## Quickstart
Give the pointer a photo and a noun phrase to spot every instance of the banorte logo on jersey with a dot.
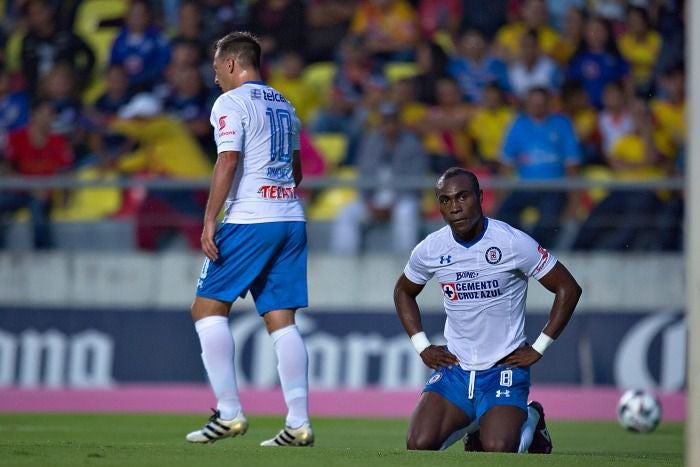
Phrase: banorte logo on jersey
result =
(222, 125)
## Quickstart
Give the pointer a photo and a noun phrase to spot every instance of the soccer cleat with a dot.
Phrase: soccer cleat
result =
(218, 428)
(541, 441)
(302, 436)
(472, 442)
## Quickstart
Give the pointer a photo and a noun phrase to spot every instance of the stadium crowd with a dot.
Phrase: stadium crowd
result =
(386, 89)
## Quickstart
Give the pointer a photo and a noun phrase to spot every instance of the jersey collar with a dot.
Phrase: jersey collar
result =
(476, 239)
(255, 82)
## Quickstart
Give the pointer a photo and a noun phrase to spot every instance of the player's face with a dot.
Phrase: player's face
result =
(222, 72)
(460, 206)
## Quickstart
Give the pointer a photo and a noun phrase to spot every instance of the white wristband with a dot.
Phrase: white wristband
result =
(420, 342)
(542, 342)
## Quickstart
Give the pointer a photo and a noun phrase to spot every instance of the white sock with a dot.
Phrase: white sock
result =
(528, 429)
(292, 366)
(217, 354)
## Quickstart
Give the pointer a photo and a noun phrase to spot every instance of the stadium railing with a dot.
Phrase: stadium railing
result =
(85, 234)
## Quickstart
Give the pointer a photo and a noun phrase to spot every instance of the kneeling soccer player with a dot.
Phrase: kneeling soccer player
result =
(481, 378)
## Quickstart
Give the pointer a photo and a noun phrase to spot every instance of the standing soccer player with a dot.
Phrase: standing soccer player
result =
(261, 245)
(482, 376)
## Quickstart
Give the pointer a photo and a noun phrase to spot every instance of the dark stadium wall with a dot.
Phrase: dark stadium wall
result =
(77, 348)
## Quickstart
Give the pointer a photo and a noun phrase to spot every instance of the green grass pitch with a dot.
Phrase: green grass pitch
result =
(72, 440)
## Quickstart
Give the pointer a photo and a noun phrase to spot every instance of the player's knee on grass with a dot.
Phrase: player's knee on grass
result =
(501, 437)
(500, 428)
(422, 440)
(500, 445)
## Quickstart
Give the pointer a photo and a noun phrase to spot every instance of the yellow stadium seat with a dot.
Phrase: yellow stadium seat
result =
(331, 200)
(90, 204)
(13, 50)
(99, 38)
(395, 71)
(332, 147)
(319, 76)
(429, 206)
(92, 12)
(598, 172)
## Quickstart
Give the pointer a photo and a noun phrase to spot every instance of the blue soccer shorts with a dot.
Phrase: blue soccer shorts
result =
(267, 259)
(476, 391)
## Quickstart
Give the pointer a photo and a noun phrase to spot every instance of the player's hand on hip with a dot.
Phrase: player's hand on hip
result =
(208, 246)
(522, 357)
(436, 357)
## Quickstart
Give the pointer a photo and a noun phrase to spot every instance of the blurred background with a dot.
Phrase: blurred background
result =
(571, 112)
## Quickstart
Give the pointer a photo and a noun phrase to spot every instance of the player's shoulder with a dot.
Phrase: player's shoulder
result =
(505, 233)
(496, 226)
(439, 235)
(228, 99)
(436, 240)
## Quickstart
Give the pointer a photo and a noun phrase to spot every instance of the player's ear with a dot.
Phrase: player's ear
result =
(481, 196)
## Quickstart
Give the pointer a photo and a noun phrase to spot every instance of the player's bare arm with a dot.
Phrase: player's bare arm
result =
(405, 293)
(566, 292)
(296, 167)
(221, 180)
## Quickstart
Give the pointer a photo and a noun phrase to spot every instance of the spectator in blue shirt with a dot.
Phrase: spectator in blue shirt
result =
(141, 48)
(107, 106)
(188, 102)
(540, 145)
(473, 68)
(14, 108)
(597, 62)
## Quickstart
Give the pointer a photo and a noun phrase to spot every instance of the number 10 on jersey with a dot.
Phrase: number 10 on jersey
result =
(281, 134)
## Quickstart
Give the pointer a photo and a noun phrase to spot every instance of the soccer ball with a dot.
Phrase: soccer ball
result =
(638, 411)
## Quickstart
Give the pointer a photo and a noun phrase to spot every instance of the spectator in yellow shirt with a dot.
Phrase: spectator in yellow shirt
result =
(571, 35)
(165, 149)
(390, 28)
(412, 112)
(445, 135)
(534, 17)
(640, 46)
(583, 115)
(668, 111)
(488, 126)
(625, 219)
(287, 78)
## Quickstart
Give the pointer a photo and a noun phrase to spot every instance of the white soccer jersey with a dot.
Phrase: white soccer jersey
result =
(484, 286)
(258, 121)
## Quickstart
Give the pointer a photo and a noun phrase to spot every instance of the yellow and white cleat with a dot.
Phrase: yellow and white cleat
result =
(218, 428)
(302, 436)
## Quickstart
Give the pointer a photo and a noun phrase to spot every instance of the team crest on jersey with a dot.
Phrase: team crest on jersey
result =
(435, 378)
(449, 291)
(222, 122)
(493, 255)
